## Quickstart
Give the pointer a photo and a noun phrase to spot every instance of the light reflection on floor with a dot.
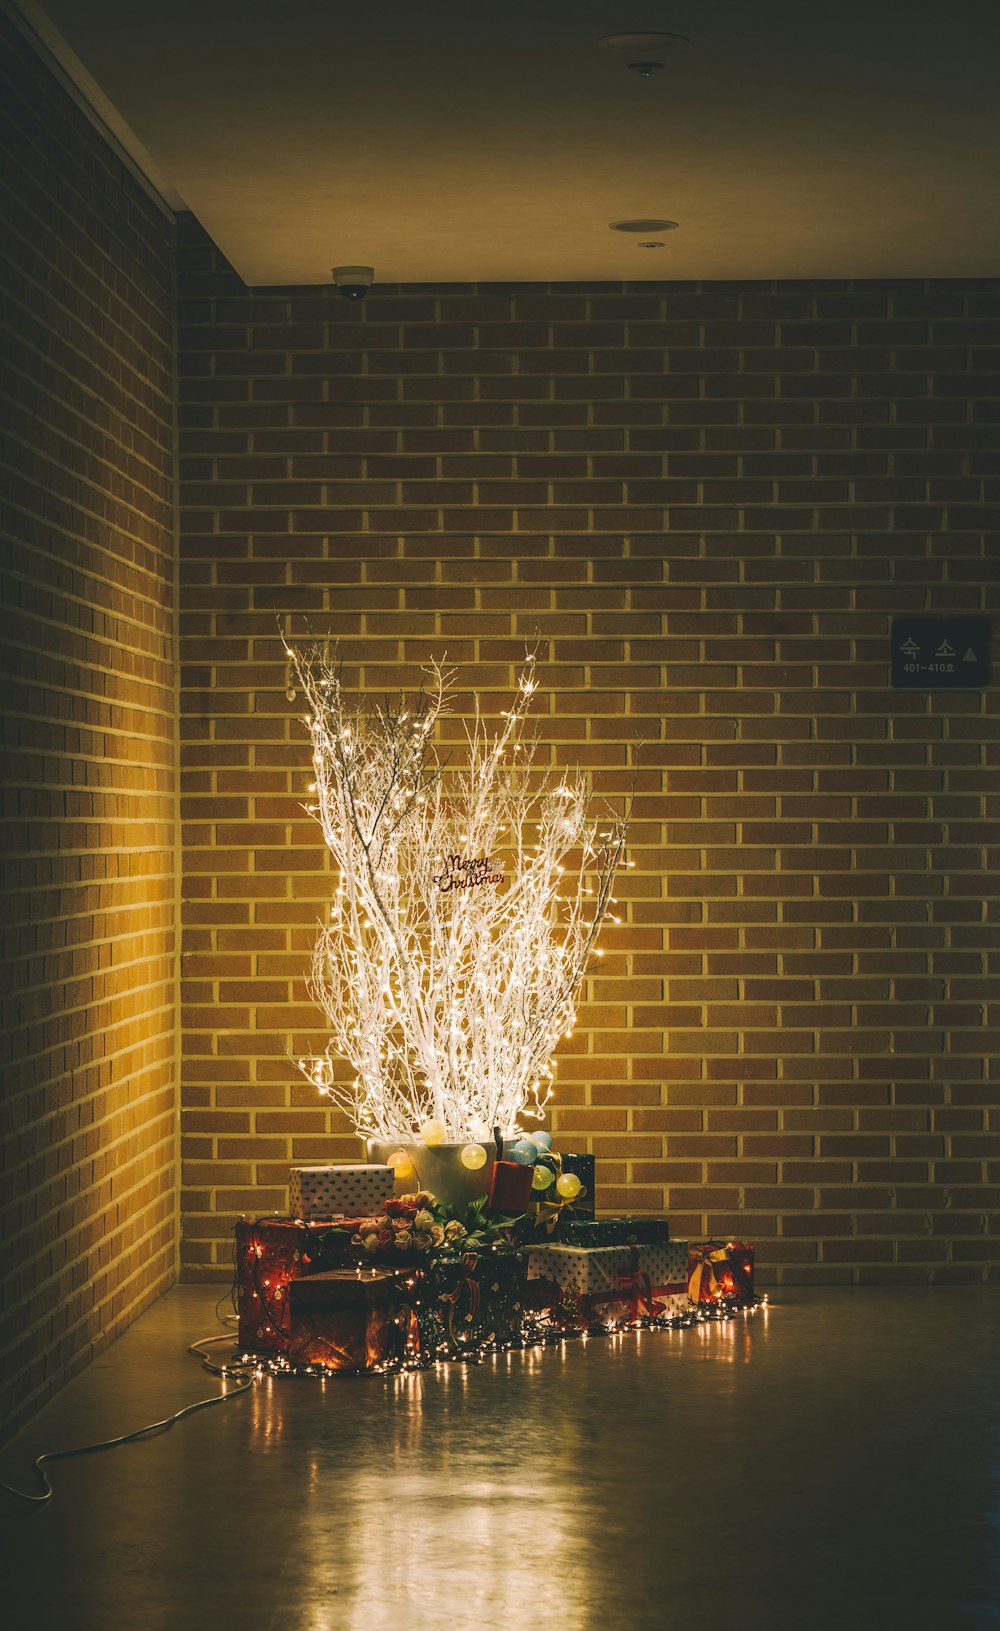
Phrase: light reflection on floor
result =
(797, 1471)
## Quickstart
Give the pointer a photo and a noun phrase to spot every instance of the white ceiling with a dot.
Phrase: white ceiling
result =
(471, 140)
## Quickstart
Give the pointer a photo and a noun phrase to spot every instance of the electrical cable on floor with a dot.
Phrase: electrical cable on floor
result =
(243, 1378)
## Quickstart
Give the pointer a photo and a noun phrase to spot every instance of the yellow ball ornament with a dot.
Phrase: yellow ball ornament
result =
(473, 1157)
(433, 1132)
(541, 1177)
(568, 1186)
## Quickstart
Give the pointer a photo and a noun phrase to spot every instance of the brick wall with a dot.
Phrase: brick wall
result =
(708, 502)
(87, 1135)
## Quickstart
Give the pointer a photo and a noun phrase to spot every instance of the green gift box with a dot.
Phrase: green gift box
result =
(471, 1299)
(583, 1167)
(646, 1231)
(594, 1232)
(614, 1231)
(549, 1211)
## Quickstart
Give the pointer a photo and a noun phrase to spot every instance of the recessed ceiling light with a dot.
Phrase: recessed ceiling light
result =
(655, 243)
(643, 42)
(647, 224)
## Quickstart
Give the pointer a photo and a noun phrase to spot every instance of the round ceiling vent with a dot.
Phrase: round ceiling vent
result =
(647, 224)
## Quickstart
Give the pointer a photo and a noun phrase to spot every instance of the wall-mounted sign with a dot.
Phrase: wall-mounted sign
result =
(940, 653)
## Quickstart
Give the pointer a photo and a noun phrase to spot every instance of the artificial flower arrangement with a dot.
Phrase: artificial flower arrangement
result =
(419, 1227)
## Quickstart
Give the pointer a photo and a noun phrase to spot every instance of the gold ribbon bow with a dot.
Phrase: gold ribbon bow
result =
(548, 1213)
(706, 1257)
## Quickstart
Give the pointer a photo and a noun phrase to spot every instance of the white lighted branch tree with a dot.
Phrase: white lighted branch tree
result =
(468, 902)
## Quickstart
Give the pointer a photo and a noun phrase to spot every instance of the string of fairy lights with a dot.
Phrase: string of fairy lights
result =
(536, 1333)
(241, 1370)
(420, 1342)
(469, 898)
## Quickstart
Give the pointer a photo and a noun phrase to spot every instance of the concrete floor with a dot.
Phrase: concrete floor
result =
(831, 1463)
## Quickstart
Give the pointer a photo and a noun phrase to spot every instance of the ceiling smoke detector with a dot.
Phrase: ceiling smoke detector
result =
(645, 225)
(644, 45)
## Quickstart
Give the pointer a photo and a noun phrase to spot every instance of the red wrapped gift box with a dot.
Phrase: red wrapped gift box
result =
(350, 1319)
(270, 1255)
(510, 1186)
(721, 1272)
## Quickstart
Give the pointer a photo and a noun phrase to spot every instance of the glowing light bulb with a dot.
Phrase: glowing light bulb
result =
(401, 1163)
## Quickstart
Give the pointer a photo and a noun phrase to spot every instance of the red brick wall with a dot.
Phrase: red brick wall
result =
(708, 501)
(87, 1135)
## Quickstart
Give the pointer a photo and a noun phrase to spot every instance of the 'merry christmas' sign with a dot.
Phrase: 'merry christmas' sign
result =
(467, 872)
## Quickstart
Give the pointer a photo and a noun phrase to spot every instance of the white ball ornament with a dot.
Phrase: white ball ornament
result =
(568, 1186)
(433, 1132)
(473, 1157)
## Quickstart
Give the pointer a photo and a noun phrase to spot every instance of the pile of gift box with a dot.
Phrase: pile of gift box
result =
(360, 1279)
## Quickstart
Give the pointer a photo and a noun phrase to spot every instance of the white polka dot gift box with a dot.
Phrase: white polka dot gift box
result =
(318, 1193)
(613, 1284)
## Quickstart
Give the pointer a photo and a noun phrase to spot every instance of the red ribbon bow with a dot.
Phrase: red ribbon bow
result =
(467, 1282)
(634, 1286)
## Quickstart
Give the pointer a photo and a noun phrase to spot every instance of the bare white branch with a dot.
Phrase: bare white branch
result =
(468, 901)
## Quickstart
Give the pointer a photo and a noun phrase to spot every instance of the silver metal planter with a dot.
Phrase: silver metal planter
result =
(439, 1169)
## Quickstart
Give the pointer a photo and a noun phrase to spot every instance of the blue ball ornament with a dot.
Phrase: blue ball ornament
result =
(542, 1141)
(525, 1152)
